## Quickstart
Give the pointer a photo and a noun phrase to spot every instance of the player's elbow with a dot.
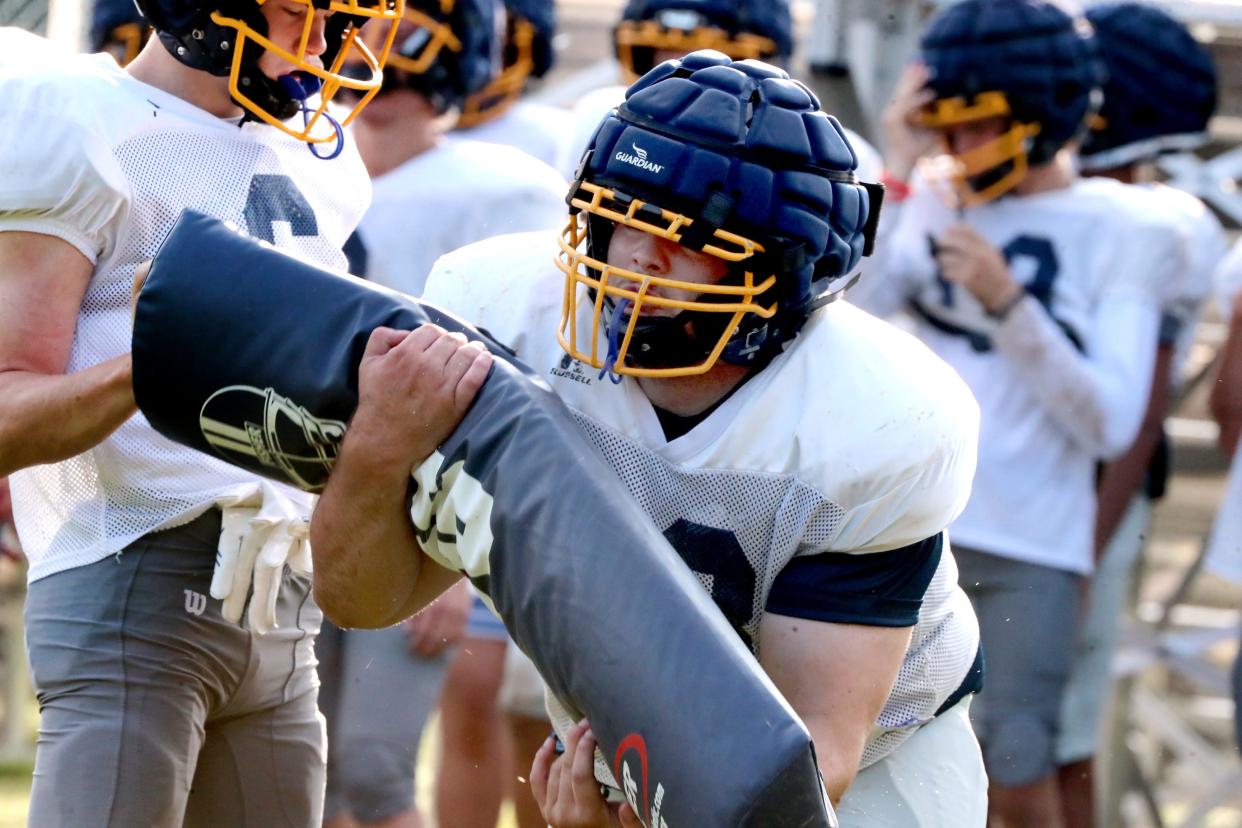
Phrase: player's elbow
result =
(344, 609)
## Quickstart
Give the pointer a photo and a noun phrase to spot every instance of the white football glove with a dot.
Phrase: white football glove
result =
(261, 530)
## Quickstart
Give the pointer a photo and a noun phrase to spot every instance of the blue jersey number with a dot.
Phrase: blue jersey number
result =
(716, 553)
(274, 198)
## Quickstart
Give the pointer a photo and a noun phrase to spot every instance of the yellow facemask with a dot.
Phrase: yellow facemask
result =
(651, 34)
(983, 163)
(617, 297)
(503, 90)
(317, 128)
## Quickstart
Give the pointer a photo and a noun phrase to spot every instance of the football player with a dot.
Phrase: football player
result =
(802, 457)
(1159, 95)
(497, 114)
(158, 708)
(1043, 291)
(651, 31)
(455, 191)
(381, 686)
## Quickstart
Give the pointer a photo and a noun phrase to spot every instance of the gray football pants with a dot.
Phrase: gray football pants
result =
(156, 712)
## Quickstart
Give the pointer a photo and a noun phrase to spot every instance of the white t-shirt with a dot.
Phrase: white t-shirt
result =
(1063, 382)
(856, 440)
(92, 156)
(454, 194)
(593, 106)
(534, 128)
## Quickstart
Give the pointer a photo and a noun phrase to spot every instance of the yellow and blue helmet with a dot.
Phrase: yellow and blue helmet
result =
(445, 50)
(741, 29)
(227, 37)
(118, 28)
(732, 159)
(529, 27)
(1161, 87)
(1026, 61)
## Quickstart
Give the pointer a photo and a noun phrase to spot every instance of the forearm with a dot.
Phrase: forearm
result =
(366, 555)
(1125, 475)
(45, 418)
(1225, 398)
(1098, 400)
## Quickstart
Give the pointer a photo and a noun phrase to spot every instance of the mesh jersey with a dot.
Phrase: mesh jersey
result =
(458, 192)
(536, 129)
(92, 156)
(1074, 249)
(857, 439)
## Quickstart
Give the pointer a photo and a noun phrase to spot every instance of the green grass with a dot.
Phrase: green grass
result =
(14, 795)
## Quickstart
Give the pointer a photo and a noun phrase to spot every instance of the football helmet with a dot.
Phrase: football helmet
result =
(1161, 87)
(263, 431)
(732, 159)
(118, 28)
(739, 28)
(529, 28)
(445, 50)
(1026, 61)
(227, 38)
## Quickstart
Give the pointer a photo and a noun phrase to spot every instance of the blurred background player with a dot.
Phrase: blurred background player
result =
(852, 607)
(1044, 292)
(431, 195)
(454, 191)
(1159, 95)
(497, 113)
(159, 705)
(652, 31)
(118, 28)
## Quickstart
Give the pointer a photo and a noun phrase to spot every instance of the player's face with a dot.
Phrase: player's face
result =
(964, 137)
(632, 249)
(287, 24)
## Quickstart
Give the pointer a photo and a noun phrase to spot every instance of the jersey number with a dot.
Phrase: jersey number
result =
(274, 198)
(716, 553)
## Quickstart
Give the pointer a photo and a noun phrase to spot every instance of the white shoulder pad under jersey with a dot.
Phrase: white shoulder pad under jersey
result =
(864, 415)
(534, 128)
(457, 193)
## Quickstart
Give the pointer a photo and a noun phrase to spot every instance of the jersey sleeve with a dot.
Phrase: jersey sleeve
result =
(58, 176)
(884, 589)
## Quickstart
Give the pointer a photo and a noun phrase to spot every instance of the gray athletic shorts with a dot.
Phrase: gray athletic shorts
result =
(1028, 621)
(376, 697)
(156, 712)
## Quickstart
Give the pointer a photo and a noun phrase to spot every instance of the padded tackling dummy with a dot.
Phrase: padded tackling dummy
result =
(251, 356)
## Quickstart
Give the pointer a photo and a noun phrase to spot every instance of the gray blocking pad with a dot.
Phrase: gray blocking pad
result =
(251, 356)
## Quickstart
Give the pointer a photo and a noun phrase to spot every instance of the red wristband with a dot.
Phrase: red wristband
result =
(895, 189)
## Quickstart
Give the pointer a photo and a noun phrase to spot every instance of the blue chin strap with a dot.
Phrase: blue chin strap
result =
(300, 86)
(615, 325)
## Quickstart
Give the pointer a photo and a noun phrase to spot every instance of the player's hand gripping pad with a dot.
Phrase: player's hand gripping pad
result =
(249, 355)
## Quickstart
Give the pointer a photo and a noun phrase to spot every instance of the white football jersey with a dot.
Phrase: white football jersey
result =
(1076, 250)
(857, 439)
(1192, 285)
(458, 192)
(593, 106)
(536, 129)
(94, 157)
